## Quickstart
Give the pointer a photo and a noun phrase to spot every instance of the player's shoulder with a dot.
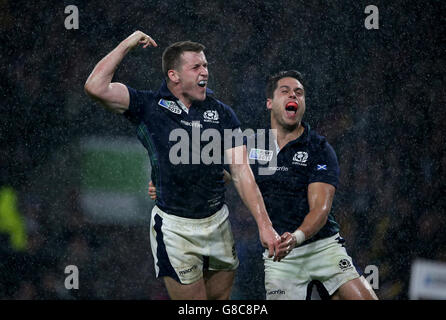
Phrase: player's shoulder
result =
(220, 110)
(211, 100)
(317, 140)
(143, 93)
(320, 148)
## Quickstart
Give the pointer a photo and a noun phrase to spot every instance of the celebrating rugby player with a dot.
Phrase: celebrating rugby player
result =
(191, 238)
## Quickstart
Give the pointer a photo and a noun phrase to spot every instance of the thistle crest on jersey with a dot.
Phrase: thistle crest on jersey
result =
(300, 158)
(211, 116)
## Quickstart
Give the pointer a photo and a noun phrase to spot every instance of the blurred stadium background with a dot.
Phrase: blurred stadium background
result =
(73, 178)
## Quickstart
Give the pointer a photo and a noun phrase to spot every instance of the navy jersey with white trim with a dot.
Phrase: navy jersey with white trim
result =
(190, 188)
(308, 159)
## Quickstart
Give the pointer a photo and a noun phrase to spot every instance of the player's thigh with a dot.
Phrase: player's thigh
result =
(329, 263)
(178, 291)
(222, 255)
(287, 279)
(176, 249)
(356, 289)
(219, 284)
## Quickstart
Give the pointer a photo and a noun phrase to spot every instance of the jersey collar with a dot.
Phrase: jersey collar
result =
(303, 139)
(165, 93)
(305, 136)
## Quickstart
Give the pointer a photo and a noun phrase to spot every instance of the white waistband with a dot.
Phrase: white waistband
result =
(220, 215)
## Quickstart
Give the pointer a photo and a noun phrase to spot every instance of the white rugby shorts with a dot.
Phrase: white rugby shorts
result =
(183, 248)
(323, 263)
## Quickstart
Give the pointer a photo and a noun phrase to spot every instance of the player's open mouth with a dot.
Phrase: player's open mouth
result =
(291, 108)
(202, 83)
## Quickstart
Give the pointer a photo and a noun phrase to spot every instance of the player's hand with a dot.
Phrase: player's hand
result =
(139, 37)
(287, 243)
(152, 191)
(271, 240)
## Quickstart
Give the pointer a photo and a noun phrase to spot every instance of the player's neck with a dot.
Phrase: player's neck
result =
(284, 135)
(178, 93)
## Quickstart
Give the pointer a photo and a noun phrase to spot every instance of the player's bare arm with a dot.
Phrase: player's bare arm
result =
(114, 96)
(152, 191)
(249, 192)
(320, 200)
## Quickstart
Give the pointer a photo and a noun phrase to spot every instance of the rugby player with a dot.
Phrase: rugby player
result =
(298, 194)
(298, 197)
(191, 238)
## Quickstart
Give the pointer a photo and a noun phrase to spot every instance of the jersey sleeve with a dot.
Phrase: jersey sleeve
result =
(233, 122)
(230, 121)
(325, 167)
(138, 100)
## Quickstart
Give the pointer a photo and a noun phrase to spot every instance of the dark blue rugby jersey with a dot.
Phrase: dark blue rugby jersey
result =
(183, 189)
(308, 159)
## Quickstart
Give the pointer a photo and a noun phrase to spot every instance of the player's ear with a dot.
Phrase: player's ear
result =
(269, 103)
(173, 76)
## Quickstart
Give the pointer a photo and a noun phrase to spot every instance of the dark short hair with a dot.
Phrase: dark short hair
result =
(172, 54)
(271, 84)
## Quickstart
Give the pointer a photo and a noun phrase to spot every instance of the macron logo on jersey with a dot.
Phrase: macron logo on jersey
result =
(169, 105)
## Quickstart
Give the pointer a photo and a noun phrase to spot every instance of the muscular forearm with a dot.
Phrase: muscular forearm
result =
(320, 198)
(313, 222)
(311, 225)
(249, 192)
(246, 186)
